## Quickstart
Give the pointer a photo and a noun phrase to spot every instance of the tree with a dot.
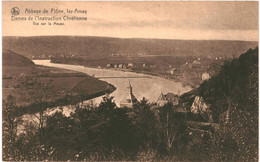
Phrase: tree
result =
(235, 89)
(146, 124)
(10, 127)
(237, 140)
(38, 93)
(171, 124)
(61, 142)
(106, 106)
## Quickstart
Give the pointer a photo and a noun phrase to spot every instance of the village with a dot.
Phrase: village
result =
(198, 106)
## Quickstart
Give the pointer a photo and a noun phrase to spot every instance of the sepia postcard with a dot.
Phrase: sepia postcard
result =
(130, 80)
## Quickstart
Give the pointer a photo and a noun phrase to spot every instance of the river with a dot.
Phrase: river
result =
(149, 87)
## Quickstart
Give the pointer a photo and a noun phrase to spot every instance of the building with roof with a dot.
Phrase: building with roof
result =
(172, 71)
(109, 65)
(205, 76)
(129, 100)
(169, 97)
(130, 65)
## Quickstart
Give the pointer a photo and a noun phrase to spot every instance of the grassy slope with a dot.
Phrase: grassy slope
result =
(64, 82)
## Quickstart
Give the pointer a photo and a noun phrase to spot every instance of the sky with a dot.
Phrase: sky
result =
(232, 20)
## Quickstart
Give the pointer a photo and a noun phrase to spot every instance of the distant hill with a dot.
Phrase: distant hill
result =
(104, 46)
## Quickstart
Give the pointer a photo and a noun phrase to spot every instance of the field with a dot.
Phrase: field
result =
(23, 80)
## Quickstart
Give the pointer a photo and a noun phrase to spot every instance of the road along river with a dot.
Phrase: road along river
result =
(143, 85)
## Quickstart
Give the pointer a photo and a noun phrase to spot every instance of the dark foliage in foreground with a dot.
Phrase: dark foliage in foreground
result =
(236, 85)
(102, 133)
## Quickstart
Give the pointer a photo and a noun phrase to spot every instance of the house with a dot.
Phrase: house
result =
(120, 66)
(169, 97)
(108, 65)
(129, 100)
(130, 65)
(115, 66)
(205, 76)
(196, 62)
(172, 71)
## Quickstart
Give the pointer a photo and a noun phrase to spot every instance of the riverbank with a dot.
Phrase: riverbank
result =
(168, 77)
(148, 86)
(172, 78)
(67, 99)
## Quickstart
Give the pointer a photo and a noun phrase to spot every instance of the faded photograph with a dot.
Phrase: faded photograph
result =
(130, 81)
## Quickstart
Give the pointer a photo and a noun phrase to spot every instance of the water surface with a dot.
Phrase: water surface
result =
(150, 88)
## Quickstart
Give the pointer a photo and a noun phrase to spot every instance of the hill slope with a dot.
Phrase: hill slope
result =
(12, 59)
(28, 83)
(105, 46)
(234, 87)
